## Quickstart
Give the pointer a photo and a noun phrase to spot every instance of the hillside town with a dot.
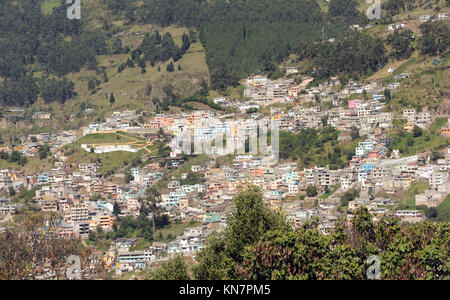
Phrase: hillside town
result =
(201, 194)
(201, 141)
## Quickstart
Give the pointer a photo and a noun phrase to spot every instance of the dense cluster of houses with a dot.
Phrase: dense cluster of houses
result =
(437, 17)
(117, 121)
(86, 199)
(282, 182)
(29, 145)
(122, 258)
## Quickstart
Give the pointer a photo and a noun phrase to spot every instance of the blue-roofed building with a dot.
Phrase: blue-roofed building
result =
(43, 178)
(368, 167)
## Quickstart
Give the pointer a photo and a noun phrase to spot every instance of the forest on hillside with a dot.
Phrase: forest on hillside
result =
(240, 37)
(51, 45)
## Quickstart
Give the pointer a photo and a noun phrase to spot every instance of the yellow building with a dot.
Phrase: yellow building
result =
(408, 127)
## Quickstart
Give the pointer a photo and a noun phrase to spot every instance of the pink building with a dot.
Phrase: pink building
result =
(352, 104)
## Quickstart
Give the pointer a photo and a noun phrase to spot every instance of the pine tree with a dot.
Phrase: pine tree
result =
(112, 99)
(170, 67)
(204, 91)
(148, 89)
(116, 209)
(186, 43)
(116, 47)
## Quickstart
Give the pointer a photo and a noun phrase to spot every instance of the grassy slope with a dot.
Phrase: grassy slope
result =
(128, 86)
(410, 195)
(429, 85)
(407, 198)
(112, 161)
(444, 209)
(174, 230)
(34, 165)
(48, 5)
(430, 139)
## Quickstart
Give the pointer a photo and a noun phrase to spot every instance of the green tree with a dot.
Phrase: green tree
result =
(116, 209)
(346, 9)
(16, 157)
(365, 96)
(148, 89)
(354, 133)
(112, 99)
(204, 90)
(213, 262)
(435, 155)
(249, 220)
(400, 42)
(417, 131)
(174, 269)
(311, 190)
(431, 213)
(170, 67)
(186, 43)
(128, 177)
(435, 38)
(387, 95)
(44, 151)
(11, 191)
(92, 236)
(99, 231)
(93, 83)
(349, 196)
(116, 47)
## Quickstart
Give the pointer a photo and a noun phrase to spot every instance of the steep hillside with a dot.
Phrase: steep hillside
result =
(65, 67)
(412, 49)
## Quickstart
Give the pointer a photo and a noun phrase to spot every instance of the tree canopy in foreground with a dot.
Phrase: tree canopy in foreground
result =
(258, 244)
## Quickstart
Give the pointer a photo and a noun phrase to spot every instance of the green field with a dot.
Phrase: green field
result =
(105, 138)
(417, 188)
(113, 161)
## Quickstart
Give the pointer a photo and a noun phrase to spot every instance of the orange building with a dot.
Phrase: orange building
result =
(445, 131)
